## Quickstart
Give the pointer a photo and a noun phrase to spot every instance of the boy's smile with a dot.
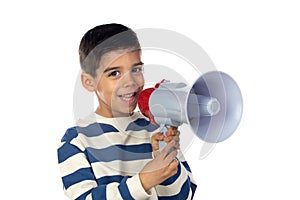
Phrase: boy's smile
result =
(129, 98)
(120, 81)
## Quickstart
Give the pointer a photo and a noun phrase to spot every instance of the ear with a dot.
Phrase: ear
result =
(88, 82)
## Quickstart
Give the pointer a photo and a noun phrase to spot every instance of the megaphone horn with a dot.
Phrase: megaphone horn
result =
(213, 106)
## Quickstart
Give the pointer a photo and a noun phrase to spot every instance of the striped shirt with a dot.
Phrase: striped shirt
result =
(100, 158)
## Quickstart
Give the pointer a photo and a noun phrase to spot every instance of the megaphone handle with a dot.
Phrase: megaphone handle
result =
(162, 144)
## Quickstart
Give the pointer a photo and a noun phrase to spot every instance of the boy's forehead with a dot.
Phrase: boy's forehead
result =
(110, 57)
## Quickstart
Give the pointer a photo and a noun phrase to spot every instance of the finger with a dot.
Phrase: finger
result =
(170, 134)
(173, 165)
(177, 142)
(158, 136)
(171, 156)
(168, 148)
(168, 139)
(177, 145)
(171, 131)
(176, 133)
(155, 141)
(176, 138)
(173, 128)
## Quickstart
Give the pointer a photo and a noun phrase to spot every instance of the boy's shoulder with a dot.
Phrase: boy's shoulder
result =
(89, 127)
(91, 130)
(92, 126)
(141, 124)
(69, 134)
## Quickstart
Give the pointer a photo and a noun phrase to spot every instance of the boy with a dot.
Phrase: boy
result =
(113, 153)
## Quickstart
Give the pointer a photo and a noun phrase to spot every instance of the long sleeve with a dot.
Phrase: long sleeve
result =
(99, 161)
(80, 183)
(180, 186)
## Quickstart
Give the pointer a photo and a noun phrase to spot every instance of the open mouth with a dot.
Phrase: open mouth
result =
(129, 98)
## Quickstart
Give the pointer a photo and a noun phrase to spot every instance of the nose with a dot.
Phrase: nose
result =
(128, 80)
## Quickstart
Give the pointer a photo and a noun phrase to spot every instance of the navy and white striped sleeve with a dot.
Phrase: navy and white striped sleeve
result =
(179, 186)
(80, 182)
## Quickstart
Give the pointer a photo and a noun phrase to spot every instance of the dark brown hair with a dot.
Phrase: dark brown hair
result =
(103, 39)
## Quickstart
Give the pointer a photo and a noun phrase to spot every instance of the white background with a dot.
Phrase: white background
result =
(257, 42)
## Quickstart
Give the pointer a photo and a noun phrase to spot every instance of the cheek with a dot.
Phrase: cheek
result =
(140, 81)
(106, 89)
(109, 92)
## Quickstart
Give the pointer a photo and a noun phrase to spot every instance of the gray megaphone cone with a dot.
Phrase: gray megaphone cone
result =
(213, 106)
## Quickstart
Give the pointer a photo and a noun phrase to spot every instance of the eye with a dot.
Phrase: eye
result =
(137, 69)
(114, 74)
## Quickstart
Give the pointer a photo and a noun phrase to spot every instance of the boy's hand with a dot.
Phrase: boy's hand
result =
(171, 134)
(162, 167)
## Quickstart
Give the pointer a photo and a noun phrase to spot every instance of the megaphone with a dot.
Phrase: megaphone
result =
(212, 107)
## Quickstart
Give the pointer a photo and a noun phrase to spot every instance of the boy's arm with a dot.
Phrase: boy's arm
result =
(179, 186)
(80, 183)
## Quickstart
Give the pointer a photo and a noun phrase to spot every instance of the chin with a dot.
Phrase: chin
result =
(131, 109)
(124, 112)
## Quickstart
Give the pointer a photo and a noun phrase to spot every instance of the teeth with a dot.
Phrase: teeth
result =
(127, 95)
(126, 99)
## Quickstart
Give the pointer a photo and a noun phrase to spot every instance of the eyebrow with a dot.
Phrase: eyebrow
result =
(118, 67)
(110, 69)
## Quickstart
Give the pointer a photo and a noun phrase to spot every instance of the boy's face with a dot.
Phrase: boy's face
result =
(120, 81)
